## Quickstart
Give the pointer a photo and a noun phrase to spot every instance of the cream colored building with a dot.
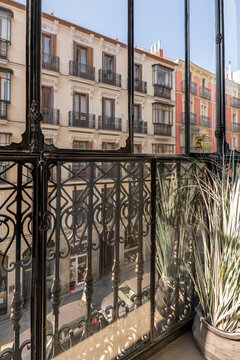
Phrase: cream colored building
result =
(84, 88)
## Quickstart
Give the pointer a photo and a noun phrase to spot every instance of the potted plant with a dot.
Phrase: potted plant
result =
(198, 232)
(216, 328)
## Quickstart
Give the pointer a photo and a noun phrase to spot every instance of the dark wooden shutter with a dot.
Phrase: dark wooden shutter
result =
(103, 107)
(87, 104)
(114, 64)
(103, 60)
(113, 108)
(90, 56)
(74, 51)
(140, 72)
(53, 44)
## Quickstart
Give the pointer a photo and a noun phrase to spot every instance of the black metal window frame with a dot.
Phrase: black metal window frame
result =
(33, 149)
(33, 139)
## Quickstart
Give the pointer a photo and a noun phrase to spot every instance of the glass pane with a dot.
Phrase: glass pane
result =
(86, 54)
(15, 258)
(232, 73)
(159, 72)
(203, 77)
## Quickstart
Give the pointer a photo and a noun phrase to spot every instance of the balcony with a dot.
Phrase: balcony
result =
(235, 126)
(140, 86)
(205, 121)
(81, 70)
(110, 78)
(162, 91)
(83, 120)
(109, 123)
(193, 118)
(162, 129)
(50, 116)
(235, 102)
(4, 48)
(140, 127)
(3, 110)
(205, 92)
(50, 62)
(193, 87)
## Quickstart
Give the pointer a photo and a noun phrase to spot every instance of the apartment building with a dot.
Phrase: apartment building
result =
(203, 109)
(84, 106)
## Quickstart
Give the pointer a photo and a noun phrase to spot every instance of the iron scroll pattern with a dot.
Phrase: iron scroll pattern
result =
(16, 207)
(91, 205)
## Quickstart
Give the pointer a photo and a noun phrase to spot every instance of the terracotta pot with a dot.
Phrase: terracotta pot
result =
(215, 344)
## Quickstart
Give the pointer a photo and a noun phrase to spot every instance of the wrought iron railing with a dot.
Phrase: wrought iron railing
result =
(84, 120)
(102, 212)
(81, 70)
(3, 110)
(109, 123)
(4, 48)
(162, 129)
(50, 116)
(205, 92)
(205, 121)
(50, 62)
(109, 77)
(235, 126)
(193, 118)
(193, 87)
(140, 126)
(140, 86)
(235, 102)
(162, 91)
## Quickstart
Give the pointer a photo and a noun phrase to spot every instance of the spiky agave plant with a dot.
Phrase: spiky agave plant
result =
(174, 213)
(217, 256)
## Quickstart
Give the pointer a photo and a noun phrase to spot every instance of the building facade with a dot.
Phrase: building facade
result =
(203, 109)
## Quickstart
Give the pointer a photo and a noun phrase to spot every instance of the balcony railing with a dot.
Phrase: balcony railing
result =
(50, 116)
(192, 149)
(193, 118)
(81, 70)
(193, 87)
(81, 120)
(140, 86)
(50, 62)
(3, 110)
(110, 123)
(235, 102)
(163, 129)
(205, 92)
(205, 121)
(4, 48)
(109, 77)
(140, 127)
(235, 126)
(162, 91)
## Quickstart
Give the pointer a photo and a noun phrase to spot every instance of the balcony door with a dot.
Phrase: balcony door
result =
(80, 106)
(109, 65)
(81, 59)
(46, 48)
(137, 113)
(47, 97)
(108, 108)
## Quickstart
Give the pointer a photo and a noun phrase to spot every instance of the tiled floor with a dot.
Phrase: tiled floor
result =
(181, 349)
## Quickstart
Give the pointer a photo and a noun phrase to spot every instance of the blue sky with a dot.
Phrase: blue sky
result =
(158, 20)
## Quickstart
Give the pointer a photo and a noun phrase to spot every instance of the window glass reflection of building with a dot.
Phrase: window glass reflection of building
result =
(5, 25)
